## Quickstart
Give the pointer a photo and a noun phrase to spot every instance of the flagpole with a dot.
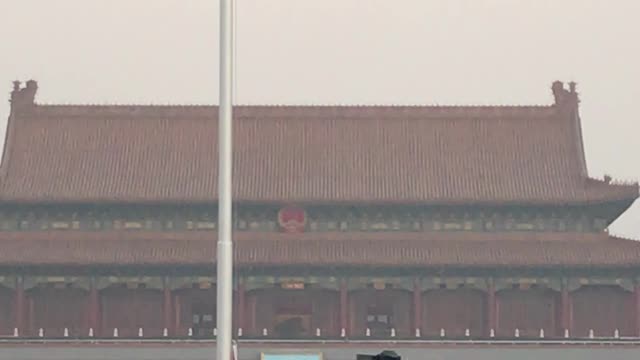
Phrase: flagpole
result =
(224, 246)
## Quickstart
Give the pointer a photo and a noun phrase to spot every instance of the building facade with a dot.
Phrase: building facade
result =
(350, 222)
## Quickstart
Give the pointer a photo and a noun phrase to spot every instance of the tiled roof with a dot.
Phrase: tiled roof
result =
(301, 154)
(436, 249)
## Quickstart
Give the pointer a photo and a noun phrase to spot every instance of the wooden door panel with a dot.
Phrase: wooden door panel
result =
(54, 309)
(603, 309)
(131, 309)
(528, 311)
(454, 311)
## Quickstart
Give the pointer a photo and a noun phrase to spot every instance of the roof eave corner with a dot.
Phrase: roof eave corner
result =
(631, 188)
(636, 191)
(627, 201)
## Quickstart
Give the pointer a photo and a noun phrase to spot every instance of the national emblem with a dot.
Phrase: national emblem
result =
(292, 219)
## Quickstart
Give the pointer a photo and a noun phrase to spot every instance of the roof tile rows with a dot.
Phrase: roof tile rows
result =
(322, 249)
(300, 154)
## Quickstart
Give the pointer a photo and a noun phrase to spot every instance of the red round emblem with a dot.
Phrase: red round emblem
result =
(292, 219)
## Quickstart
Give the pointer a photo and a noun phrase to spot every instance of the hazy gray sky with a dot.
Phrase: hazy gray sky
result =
(343, 52)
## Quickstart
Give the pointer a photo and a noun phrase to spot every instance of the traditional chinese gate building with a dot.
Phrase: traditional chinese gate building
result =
(349, 221)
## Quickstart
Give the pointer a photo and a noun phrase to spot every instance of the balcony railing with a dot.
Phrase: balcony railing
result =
(164, 335)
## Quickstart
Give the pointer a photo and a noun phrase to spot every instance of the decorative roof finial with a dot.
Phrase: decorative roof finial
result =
(21, 97)
(558, 91)
(32, 84)
(562, 96)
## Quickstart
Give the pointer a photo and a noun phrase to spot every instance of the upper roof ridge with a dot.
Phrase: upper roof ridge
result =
(293, 105)
(562, 96)
(298, 111)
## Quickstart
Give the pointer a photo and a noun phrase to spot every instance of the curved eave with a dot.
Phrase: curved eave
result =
(339, 249)
(628, 196)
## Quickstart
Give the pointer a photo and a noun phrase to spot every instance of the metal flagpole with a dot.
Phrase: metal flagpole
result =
(225, 247)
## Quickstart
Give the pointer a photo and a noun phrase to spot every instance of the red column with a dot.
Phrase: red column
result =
(30, 315)
(175, 316)
(94, 308)
(417, 304)
(492, 314)
(19, 306)
(344, 306)
(636, 293)
(241, 304)
(167, 307)
(565, 308)
(252, 315)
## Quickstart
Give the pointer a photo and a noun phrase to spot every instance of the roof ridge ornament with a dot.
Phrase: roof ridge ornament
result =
(23, 96)
(609, 180)
(563, 96)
